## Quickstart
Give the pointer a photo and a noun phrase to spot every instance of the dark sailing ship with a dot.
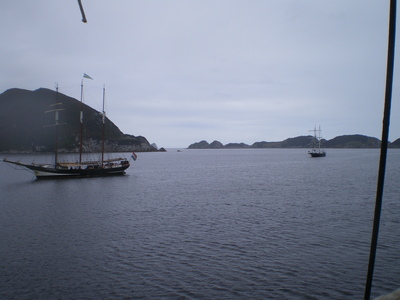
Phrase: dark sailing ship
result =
(99, 168)
(316, 151)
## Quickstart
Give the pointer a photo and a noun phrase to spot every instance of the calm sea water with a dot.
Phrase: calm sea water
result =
(202, 224)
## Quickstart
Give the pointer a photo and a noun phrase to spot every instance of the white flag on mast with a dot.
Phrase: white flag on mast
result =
(87, 76)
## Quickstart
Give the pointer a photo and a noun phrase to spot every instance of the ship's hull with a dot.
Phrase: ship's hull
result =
(51, 172)
(317, 154)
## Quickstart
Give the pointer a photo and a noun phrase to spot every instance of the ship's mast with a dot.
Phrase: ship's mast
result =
(56, 123)
(103, 127)
(81, 126)
(319, 138)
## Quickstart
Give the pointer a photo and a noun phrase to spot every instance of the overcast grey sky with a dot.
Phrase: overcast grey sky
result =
(180, 71)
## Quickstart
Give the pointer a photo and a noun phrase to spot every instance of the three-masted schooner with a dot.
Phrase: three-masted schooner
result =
(100, 168)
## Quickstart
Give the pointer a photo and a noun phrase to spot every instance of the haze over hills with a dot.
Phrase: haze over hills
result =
(25, 127)
(344, 141)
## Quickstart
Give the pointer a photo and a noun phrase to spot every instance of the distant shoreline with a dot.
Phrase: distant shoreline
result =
(355, 141)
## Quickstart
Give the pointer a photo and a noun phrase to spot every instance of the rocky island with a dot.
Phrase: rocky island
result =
(25, 127)
(344, 141)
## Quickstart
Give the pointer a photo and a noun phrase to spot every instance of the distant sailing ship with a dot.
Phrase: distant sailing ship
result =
(317, 152)
(100, 168)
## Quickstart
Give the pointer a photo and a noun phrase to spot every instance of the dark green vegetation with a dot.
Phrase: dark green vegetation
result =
(344, 141)
(25, 127)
